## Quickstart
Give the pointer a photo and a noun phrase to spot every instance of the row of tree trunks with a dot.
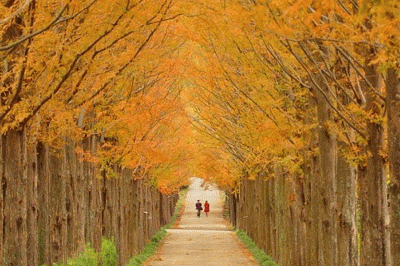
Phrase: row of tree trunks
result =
(285, 214)
(53, 202)
(281, 214)
(336, 213)
(291, 215)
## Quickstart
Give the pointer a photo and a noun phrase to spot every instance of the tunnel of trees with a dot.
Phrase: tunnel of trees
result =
(291, 107)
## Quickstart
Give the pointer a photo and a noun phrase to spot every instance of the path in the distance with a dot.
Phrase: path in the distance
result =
(202, 241)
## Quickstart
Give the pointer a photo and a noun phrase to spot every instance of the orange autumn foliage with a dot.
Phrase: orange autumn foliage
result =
(183, 88)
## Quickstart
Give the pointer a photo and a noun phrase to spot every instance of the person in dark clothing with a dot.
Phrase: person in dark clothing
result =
(199, 208)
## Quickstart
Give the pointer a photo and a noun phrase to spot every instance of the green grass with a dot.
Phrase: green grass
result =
(262, 258)
(89, 257)
(151, 247)
(223, 197)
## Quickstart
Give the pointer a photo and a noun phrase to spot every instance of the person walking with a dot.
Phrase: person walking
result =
(206, 208)
(199, 208)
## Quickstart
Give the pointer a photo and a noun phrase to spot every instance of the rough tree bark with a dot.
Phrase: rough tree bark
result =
(299, 225)
(346, 216)
(281, 233)
(44, 199)
(327, 186)
(2, 160)
(15, 200)
(44, 202)
(72, 219)
(32, 206)
(373, 187)
(267, 215)
(58, 212)
(311, 168)
(393, 113)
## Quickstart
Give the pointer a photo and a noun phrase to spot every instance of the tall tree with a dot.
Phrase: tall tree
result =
(393, 106)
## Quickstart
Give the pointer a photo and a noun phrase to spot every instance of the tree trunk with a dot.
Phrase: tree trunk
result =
(346, 219)
(137, 210)
(262, 225)
(281, 234)
(393, 113)
(2, 192)
(73, 243)
(15, 201)
(97, 237)
(311, 201)
(58, 213)
(122, 219)
(312, 173)
(44, 203)
(274, 234)
(267, 217)
(298, 202)
(374, 209)
(327, 182)
(32, 207)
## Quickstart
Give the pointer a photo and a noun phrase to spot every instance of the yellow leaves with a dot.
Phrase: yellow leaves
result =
(117, 80)
(168, 178)
(228, 67)
(254, 84)
(146, 130)
(296, 8)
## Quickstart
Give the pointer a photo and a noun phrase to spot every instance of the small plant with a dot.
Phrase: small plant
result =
(87, 258)
(109, 255)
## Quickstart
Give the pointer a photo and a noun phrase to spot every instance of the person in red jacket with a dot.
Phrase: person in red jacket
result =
(206, 208)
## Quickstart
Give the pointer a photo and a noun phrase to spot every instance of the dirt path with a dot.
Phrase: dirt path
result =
(202, 241)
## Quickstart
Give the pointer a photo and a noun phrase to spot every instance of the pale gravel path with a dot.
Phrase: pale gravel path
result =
(202, 241)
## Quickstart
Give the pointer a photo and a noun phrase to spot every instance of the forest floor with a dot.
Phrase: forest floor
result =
(202, 241)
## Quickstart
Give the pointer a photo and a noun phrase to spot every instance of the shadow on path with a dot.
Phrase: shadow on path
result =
(205, 240)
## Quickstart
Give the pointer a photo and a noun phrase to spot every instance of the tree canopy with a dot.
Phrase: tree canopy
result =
(216, 88)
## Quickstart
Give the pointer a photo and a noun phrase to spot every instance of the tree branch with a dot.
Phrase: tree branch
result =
(323, 93)
(69, 71)
(54, 22)
(17, 12)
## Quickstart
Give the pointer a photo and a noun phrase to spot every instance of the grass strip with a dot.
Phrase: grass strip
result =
(148, 250)
(262, 258)
(151, 247)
